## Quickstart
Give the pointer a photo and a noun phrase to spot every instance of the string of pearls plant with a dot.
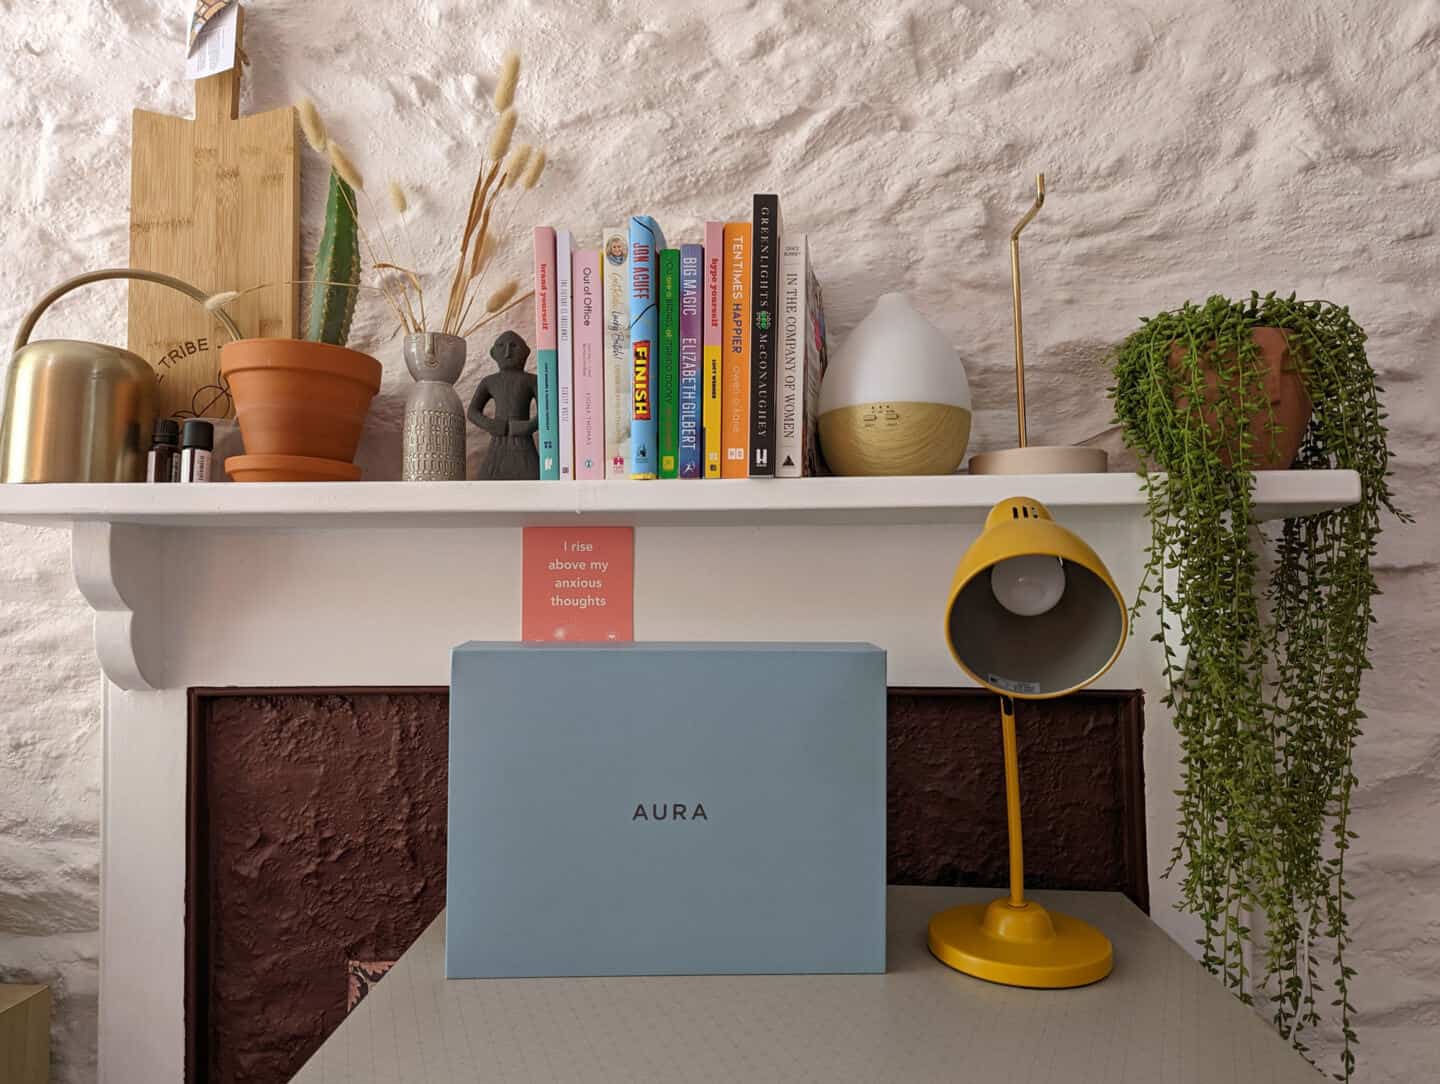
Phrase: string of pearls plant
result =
(1275, 624)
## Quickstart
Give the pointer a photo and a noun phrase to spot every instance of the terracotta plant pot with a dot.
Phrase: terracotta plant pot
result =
(294, 397)
(1284, 384)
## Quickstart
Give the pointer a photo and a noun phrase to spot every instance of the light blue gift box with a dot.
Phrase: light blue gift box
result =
(666, 809)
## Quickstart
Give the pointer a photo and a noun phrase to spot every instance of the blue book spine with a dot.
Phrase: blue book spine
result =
(646, 241)
(692, 454)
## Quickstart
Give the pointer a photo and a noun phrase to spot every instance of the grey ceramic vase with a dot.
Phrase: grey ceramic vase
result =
(434, 419)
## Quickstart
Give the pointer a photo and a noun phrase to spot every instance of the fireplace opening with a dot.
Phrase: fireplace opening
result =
(316, 838)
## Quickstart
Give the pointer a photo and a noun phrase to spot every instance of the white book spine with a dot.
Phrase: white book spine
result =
(565, 348)
(790, 382)
(619, 366)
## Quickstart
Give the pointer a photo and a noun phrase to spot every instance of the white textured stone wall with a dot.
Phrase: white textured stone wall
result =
(1190, 148)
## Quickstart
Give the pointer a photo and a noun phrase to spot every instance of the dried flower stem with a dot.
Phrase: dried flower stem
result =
(466, 270)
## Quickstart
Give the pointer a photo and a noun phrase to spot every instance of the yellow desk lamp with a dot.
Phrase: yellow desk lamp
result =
(1033, 614)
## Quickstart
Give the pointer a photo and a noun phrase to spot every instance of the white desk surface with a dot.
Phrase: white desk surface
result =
(1158, 1019)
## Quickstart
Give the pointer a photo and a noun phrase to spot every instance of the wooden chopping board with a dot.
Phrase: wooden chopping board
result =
(214, 201)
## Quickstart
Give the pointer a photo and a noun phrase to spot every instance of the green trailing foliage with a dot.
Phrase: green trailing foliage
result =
(1274, 622)
(337, 268)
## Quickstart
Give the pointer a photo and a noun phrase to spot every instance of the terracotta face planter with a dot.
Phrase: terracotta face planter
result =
(294, 397)
(1284, 384)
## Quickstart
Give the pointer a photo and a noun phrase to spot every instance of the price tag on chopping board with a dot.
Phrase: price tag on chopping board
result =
(579, 583)
(214, 45)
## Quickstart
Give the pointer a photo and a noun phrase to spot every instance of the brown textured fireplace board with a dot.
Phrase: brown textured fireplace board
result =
(317, 816)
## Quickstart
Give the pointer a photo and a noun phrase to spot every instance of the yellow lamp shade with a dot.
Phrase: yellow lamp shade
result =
(1045, 655)
(1033, 614)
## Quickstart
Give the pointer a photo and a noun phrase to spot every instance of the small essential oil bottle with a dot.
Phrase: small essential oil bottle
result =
(196, 444)
(160, 465)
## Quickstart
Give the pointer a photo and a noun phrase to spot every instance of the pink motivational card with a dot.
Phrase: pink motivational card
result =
(579, 583)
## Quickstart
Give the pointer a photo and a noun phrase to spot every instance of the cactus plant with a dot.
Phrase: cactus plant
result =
(336, 272)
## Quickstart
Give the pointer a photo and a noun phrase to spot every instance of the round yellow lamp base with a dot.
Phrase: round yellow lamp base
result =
(1020, 946)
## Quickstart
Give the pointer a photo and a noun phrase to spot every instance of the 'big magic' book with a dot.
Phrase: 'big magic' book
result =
(546, 358)
(692, 259)
(646, 241)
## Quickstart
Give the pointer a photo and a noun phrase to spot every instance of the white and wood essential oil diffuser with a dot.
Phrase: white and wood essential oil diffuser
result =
(895, 399)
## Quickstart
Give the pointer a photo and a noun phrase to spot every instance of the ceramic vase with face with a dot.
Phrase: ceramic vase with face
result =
(434, 434)
(895, 399)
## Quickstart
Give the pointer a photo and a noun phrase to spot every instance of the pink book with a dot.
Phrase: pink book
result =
(547, 361)
(711, 359)
(589, 323)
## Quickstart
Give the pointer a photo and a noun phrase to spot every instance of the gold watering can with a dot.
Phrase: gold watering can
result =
(78, 411)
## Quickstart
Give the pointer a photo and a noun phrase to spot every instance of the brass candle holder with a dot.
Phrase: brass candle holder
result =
(1027, 458)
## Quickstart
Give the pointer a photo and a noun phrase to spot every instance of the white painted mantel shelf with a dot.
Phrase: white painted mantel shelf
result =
(909, 500)
(372, 584)
(117, 560)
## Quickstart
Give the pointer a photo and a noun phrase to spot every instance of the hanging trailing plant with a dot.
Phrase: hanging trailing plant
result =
(1265, 628)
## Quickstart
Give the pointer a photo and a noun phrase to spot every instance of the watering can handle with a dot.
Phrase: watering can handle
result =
(23, 336)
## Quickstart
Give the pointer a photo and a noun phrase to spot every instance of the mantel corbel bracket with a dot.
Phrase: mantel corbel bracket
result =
(111, 570)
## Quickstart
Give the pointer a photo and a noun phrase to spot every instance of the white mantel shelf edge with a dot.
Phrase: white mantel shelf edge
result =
(820, 501)
(113, 525)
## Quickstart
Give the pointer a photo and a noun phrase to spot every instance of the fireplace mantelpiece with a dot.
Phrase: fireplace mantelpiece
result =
(371, 584)
(115, 566)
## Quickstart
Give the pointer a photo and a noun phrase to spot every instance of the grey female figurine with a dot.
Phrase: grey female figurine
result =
(512, 453)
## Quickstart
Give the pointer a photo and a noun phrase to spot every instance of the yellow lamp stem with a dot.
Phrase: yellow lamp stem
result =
(1012, 801)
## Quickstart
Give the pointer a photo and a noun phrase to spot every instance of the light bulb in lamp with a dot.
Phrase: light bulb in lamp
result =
(1028, 586)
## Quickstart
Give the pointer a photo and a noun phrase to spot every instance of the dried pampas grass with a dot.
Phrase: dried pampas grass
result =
(537, 167)
(342, 165)
(312, 125)
(504, 131)
(515, 164)
(509, 78)
(398, 200)
(504, 167)
(501, 297)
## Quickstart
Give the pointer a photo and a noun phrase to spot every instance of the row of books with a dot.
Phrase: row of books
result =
(697, 361)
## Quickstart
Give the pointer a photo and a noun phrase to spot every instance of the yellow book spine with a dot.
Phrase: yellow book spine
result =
(735, 353)
(711, 416)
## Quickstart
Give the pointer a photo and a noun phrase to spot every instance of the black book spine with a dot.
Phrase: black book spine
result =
(764, 302)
